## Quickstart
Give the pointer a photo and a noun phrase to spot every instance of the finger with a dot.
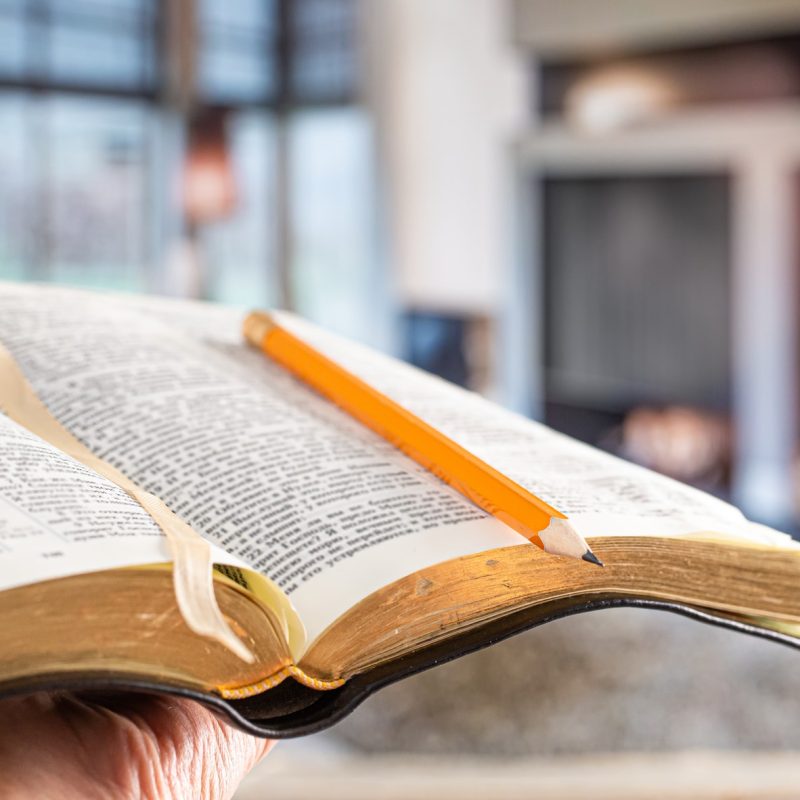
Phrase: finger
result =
(121, 745)
(197, 754)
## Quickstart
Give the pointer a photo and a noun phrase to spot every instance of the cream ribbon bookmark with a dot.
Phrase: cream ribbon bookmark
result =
(192, 561)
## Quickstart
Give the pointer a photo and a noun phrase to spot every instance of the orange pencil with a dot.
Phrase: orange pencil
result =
(496, 494)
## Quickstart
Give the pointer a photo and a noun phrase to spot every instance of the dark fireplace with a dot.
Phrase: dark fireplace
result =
(637, 287)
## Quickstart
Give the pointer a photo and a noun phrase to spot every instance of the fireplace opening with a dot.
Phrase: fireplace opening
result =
(637, 288)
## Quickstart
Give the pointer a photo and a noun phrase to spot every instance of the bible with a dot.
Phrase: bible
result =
(339, 563)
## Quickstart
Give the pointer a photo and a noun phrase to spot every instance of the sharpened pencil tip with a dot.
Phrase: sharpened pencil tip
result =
(592, 558)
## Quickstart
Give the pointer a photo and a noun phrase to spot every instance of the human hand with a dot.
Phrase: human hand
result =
(63, 745)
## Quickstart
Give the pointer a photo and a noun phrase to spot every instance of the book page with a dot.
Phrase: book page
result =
(601, 494)
(58, 518)
(254, 461)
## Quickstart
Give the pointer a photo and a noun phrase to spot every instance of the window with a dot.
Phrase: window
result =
(17, 195)
(335, 276)
(95, 191)
(90, 154)
(240, 250)
(323, 67)
(72, 201)
(78, 43)
(237, 52)
(76, 158)
(13, 25)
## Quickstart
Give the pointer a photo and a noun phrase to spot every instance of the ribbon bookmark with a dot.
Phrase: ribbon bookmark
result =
(191, 554)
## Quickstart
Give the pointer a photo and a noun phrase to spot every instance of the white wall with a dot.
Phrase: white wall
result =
(448, 93)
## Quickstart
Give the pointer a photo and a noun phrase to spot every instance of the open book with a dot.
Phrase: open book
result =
(340, 563)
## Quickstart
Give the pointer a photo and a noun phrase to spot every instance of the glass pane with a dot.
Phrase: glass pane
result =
(12, 38)
(324, 57)
(17, 188)
(322, 73)
(336, 280)
(239, 252)
(257, 16)
(97, 192)
(99, 42)
(231, 72)
(102, 55)
(236, 54)
(119, 9)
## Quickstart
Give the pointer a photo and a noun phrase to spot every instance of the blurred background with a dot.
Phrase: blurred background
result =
(586, 209)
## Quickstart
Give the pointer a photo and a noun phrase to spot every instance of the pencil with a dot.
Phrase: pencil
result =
(496, 494)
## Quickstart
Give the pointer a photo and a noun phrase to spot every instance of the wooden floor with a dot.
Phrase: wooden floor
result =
(291, 775)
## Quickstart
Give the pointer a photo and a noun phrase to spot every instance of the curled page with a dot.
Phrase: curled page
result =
(192, 557)
(59, 518)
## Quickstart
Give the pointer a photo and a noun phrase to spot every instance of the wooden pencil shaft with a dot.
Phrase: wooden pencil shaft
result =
(481, 483)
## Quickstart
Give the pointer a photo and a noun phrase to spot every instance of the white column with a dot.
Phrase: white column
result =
(448, 92)
(764, 337)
